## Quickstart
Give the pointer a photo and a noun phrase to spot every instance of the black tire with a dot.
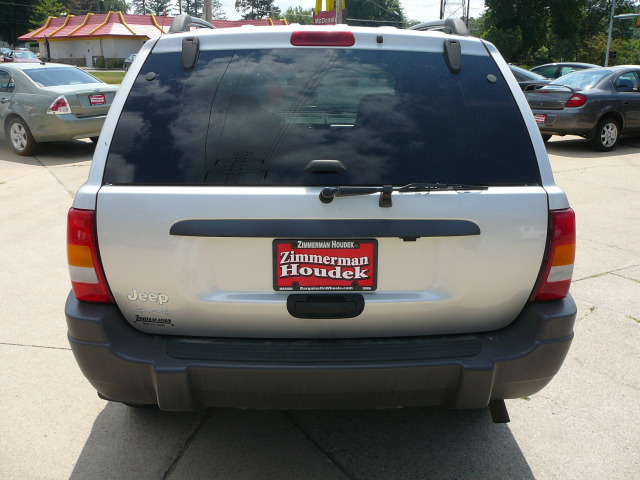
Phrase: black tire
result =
(606, 134)
(94, 139)
(20, 138)
(545, 138)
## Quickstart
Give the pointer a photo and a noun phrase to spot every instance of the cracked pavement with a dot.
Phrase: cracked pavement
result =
(584, 425)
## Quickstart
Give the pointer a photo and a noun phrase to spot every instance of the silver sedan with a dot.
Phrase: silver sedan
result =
(50, 102)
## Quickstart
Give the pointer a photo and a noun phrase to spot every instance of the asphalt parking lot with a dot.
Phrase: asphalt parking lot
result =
(584, 425)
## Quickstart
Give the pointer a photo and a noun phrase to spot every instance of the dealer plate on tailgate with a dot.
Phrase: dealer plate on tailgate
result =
(325, 265)
(97, 100)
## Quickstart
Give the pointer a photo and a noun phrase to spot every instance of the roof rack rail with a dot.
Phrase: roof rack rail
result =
(183, 23)
(453, 26)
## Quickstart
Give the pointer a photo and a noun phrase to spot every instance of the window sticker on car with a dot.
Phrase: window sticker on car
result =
(325, 265)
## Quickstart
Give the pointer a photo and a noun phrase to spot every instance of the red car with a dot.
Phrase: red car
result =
(21, 56)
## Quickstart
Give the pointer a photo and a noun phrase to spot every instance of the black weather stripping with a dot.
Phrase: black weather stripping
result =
(325, 228)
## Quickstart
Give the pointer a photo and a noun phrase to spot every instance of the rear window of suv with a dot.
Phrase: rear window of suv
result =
(258, 117)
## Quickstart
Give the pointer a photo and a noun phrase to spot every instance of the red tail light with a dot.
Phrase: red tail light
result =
(555, 275)
(85, 267)
(576, 100)
(322, 39)
(59, 106)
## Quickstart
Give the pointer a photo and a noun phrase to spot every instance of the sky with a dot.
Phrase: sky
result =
(414, 9)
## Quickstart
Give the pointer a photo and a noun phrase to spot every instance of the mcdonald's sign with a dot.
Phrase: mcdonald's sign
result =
(328, 16)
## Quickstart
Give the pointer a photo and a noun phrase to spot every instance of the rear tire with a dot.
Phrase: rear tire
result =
(20, 138)
(94, 139)
(606, 135)
(545, 138)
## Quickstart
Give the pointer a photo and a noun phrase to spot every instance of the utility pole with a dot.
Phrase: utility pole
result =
(613, 11)
(455, 9)
(207, 11)
(616, 17)
(339, 12)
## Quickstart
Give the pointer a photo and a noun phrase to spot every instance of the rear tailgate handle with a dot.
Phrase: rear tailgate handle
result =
(325, 306)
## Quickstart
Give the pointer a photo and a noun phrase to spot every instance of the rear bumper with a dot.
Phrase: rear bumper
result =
(50, 128)
(189, 373)
(567, 122)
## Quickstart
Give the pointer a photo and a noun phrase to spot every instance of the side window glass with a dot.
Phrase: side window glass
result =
(6, 83)
(628, 82)
(548, 72)
(519, 76)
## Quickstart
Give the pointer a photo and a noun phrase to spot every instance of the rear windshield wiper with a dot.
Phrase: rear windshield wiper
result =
(329, 193)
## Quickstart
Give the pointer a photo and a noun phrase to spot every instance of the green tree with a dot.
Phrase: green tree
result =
(158, 7)
(256, 9)
(217, 12)
(15, 19)
(507, 41)
(104, 6)
(141, 7)
(44, 9)
(115, 6)
(556, 30)
(374, 13)
(528, 17)
(303, 16)
(477, 26)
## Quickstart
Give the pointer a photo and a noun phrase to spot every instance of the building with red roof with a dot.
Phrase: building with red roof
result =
(107, 38)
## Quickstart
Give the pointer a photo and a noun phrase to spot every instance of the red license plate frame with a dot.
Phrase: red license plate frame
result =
(325, 265)
(540, 118)
(97, 99)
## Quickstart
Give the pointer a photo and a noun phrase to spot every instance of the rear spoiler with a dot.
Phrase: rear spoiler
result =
(548, 88)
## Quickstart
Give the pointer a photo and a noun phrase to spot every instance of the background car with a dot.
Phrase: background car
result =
(21, 56)
(4, 51)
(599, 104)
(556, 70)
(527, 78)
(49, 102)
(128, 61)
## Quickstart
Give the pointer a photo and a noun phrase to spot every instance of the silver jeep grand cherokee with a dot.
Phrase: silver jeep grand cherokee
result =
(320, 217)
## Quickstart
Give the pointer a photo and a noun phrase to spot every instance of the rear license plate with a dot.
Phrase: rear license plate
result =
(97, 100)
(325, 265)
(540, 119)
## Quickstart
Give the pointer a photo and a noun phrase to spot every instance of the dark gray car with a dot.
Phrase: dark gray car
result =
(599, 104)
